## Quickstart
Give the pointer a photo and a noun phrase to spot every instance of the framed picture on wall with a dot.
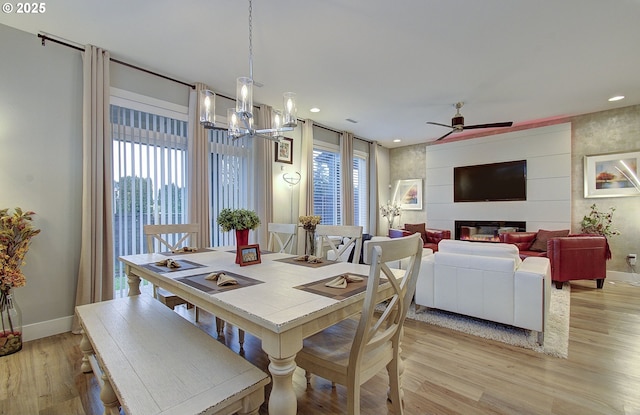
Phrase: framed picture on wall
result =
(612, 175)
(408, 194)
(284, 150)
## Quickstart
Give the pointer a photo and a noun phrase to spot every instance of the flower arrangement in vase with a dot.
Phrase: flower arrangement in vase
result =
(599, 223)
(16, 231)
(240, 220)
(309, 223)
(390, 211)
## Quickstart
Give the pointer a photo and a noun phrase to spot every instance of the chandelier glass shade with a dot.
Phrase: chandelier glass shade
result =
(240, 119)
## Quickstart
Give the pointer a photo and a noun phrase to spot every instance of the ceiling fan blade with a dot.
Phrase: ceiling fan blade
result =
(446, 135)
(437, 123)
(492, 125)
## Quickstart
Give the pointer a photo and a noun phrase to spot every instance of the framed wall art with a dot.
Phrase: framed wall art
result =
(284, 150)
(612, 175)
(249, 254)
(408, 194)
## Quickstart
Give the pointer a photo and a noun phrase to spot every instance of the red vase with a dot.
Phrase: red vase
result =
(242, 238)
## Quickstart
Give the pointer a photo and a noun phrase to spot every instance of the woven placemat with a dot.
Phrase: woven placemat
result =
(211, 287)
(184, 265)
(353, 288)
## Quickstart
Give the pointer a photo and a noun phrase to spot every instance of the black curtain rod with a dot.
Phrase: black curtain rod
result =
(45, 38)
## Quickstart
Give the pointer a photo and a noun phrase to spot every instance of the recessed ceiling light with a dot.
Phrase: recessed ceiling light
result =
(616, 98)
(314, 109)
(397, 140)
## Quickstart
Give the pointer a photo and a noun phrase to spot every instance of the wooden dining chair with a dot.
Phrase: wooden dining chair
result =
(355, 350)
(348, 238)
(171, 237)
(278, 231)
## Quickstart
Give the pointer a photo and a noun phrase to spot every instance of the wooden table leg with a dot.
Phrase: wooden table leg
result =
(134, 283)
(282, 400)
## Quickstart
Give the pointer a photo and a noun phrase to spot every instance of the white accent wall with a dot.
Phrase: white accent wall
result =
(548, 154)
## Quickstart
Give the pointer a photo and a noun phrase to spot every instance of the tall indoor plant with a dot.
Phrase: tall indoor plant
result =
(240, 220)
(16, 231)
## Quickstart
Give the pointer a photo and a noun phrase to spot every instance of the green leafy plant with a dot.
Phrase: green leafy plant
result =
(598, 222)
(238, 219)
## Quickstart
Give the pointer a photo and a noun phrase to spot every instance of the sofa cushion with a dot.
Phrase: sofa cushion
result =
(540, 243)
(496, 250)
(420, 228)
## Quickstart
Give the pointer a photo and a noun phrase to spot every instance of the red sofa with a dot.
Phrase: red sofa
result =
(430, 237)
(572, 257)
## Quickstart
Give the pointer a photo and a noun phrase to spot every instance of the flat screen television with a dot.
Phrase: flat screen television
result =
(490, 182)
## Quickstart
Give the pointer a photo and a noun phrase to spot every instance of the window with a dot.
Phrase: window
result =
(326, 184)
(149, 176)
(360, 191)
(231, 170)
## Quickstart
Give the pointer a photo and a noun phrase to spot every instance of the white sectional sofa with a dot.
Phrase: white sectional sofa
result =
(487, 281)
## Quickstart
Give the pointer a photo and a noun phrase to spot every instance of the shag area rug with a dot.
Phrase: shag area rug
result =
(556, 337)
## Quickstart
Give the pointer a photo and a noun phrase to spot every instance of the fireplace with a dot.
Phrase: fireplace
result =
(486, 230)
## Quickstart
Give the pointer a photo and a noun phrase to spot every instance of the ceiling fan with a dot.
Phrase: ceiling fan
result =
(457, 123)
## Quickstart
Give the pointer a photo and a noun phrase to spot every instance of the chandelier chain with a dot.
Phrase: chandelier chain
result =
(250, 40)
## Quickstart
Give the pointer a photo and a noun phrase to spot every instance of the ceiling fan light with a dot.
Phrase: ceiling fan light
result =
(244, 95)
(290, 110)
(207, 100)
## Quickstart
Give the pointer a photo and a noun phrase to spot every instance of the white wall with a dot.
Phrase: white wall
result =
(41, 169)
(548, 154)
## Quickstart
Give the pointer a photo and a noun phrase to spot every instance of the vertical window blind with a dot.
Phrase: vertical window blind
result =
(326, 185)
(149, 178)
(231, 170)
(360, 193)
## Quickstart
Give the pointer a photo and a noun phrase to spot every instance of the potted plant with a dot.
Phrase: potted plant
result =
(240, 220)
(16, 232)
(600, 223)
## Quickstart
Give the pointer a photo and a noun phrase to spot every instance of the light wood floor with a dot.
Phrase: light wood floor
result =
(446, 372)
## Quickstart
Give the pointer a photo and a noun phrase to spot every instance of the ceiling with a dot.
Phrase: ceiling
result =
(389, 65)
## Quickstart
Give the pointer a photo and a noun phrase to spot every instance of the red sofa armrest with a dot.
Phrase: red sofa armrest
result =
(522, 240)
(583, 258)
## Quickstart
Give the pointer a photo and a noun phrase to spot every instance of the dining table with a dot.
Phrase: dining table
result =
(281, 300)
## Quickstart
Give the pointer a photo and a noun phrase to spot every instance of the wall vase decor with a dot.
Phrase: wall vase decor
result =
(242, 239)
(11, 316)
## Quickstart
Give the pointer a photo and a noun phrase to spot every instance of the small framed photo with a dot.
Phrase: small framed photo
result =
(612, 175)
(249, 255)
(284, 150)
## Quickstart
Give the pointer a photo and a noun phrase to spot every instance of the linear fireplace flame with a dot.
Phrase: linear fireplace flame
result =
(486, 231)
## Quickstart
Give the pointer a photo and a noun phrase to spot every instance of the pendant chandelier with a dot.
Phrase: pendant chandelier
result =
(240, 118)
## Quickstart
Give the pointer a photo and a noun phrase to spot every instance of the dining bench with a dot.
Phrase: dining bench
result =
(149, 360)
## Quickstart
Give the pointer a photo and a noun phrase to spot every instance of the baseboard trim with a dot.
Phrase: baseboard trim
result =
(46, 328)
(619, 276)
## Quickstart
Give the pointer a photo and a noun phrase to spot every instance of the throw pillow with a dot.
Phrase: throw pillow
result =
(540, 243)
(420, 228)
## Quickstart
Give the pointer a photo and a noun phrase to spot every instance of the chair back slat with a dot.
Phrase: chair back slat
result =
(187, 233)
(350, 238)
(276, 232)
(374, 329)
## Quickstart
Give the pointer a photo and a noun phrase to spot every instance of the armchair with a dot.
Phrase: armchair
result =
(572, 257)
(430, 237)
